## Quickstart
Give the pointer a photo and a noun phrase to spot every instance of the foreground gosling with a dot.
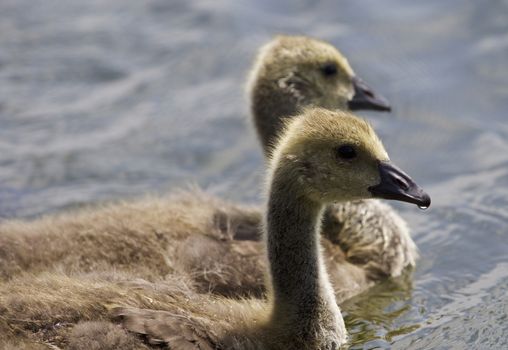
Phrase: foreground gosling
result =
(322, 157)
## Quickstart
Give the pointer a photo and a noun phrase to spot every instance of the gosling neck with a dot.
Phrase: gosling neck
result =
(269, 105)
(303, 298)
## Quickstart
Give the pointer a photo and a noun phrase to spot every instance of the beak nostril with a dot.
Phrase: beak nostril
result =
(402, 184)
(369, 93)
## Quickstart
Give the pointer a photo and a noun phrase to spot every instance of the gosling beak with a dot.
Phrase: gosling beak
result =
(366, 98)
(397, 185)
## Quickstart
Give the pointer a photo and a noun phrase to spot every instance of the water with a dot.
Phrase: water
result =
(113, 99)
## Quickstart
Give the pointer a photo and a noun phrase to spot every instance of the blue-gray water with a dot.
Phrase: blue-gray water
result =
(109, 99)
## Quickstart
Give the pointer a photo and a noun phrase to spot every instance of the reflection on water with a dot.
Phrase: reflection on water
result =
(372, 317)
(113, 99)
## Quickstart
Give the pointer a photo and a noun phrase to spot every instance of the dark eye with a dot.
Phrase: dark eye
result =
(329, 69)
(346, 152)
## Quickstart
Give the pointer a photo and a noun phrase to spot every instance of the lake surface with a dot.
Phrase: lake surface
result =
(114, 99)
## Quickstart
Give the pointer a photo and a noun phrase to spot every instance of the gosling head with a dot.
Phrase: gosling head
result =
(295, 71)
(330, 156)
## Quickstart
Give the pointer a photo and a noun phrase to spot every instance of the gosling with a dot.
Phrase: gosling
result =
(321, 157)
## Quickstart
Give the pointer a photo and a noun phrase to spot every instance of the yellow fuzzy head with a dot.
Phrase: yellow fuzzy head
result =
(329, 156)
(313, 71)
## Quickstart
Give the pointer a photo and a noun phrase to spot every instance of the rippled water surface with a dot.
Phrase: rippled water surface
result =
(110, 99)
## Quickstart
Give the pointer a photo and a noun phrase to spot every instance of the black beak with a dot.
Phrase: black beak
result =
(366, 98)
(397, 185)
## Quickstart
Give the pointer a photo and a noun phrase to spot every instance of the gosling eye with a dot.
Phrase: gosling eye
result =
(329, 69)
(346, 152)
